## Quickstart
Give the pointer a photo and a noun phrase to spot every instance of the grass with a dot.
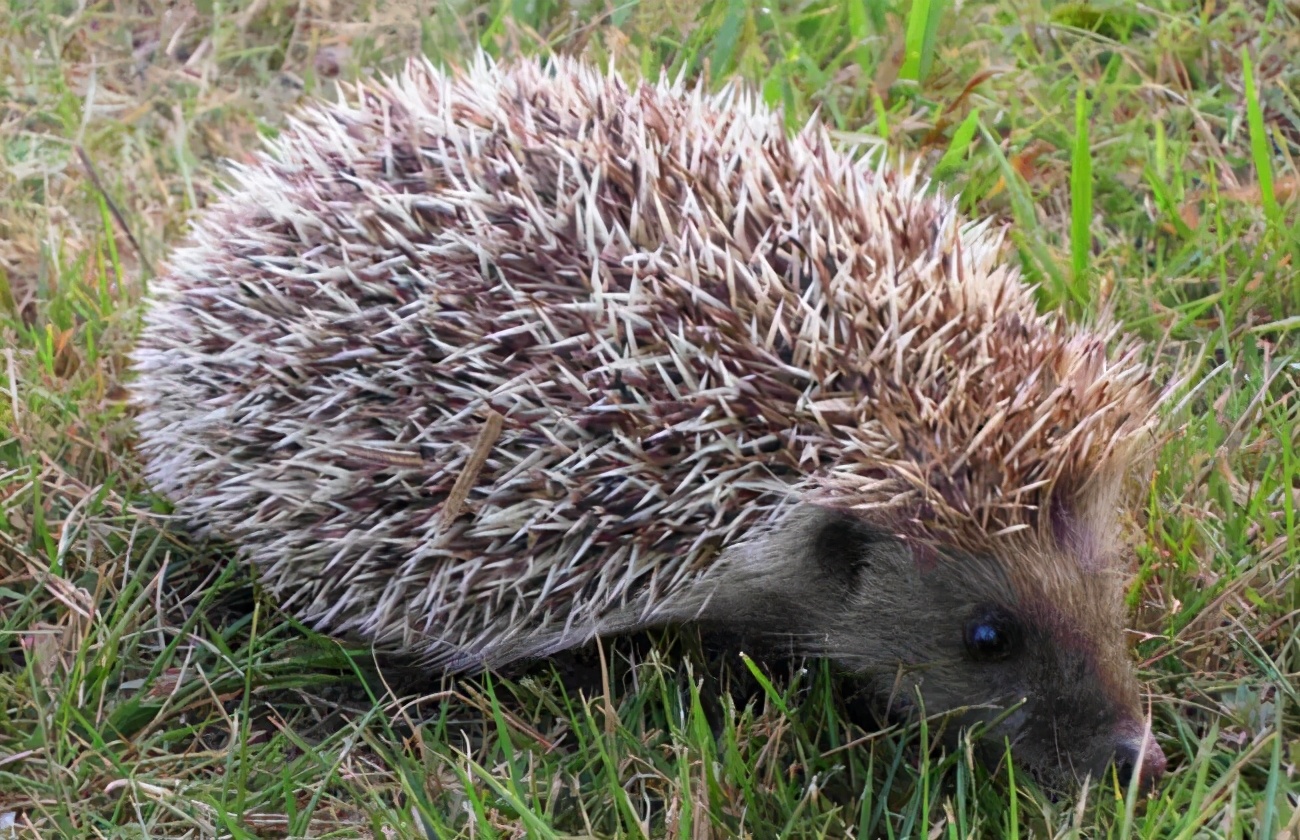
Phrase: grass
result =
(1145, 156)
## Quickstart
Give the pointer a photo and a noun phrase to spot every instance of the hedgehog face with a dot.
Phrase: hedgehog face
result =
(1051, 677)
(1027, 642)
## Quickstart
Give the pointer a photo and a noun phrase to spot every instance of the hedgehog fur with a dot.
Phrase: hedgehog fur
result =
(480, 365)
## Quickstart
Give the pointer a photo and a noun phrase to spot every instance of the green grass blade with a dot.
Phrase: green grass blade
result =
(922, 28)
(1259, 141)
(958, 148)
(1080, 200)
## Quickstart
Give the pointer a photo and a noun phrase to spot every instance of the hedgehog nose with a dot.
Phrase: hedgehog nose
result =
(1150, 767)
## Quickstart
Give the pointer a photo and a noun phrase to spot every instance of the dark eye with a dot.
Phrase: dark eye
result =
(992, 634)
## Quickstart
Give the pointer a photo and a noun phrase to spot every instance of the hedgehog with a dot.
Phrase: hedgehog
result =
(478, 365)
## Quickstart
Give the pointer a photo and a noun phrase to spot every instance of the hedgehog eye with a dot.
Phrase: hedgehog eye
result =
(992, 634)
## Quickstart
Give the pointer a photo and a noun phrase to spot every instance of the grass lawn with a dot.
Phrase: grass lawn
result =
(1145, 158)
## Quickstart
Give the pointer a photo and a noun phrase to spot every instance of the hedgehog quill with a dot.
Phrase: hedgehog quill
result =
(480, 365)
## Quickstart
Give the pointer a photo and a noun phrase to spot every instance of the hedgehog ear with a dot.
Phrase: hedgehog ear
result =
(1073, 530)
(841, 542)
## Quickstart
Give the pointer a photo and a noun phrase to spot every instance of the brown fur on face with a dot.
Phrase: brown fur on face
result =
(847, 589)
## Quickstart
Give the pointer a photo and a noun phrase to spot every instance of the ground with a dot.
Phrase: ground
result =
(1144, 158)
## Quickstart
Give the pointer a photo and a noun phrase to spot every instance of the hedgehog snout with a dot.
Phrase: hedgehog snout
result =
(1141, 754)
